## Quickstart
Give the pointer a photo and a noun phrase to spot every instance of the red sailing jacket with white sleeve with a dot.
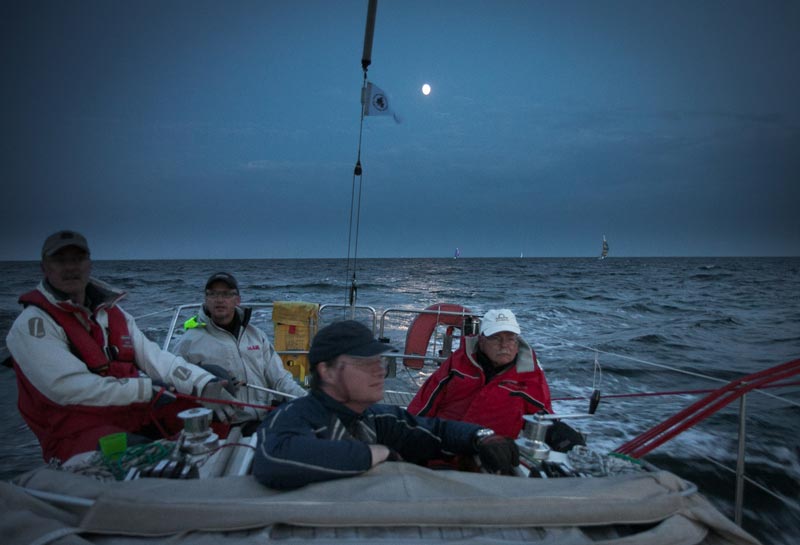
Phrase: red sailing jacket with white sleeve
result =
(79, 370)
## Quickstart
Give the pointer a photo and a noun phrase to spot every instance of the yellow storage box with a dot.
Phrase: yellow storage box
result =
(295, 325)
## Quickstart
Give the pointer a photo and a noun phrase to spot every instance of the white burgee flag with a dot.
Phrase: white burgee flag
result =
(376, 102)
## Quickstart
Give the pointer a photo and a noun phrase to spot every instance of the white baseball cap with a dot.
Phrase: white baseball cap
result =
(498, 320)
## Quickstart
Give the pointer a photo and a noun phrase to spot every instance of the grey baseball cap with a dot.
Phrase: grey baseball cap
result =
(62, 239)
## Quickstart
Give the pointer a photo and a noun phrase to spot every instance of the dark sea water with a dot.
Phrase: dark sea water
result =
(649, 321)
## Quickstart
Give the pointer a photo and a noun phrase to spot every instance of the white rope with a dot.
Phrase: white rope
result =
(597, 374)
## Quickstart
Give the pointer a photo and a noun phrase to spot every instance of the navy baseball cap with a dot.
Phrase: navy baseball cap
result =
(348, 337)
(223, 277)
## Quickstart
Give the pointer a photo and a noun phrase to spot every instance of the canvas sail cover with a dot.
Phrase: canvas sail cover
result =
(398, 502)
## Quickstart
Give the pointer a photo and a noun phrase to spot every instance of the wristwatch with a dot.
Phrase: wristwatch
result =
(481, 433)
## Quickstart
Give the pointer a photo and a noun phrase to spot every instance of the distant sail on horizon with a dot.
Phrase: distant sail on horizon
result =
(604, 251)
(457, 253)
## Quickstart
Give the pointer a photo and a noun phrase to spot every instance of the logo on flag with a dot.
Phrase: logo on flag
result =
(379, 102)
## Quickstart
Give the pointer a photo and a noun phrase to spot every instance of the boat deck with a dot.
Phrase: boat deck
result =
(393, 397)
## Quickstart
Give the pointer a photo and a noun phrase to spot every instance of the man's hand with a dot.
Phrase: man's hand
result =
(498, 454)
(216, 389)
(163, 393)
(379, 453)
(382, 453)
(224, 375)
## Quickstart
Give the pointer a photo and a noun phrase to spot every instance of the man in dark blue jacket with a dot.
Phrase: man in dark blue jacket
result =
(339, 430)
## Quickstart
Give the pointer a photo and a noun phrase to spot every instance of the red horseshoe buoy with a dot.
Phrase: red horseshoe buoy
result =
(419, 334)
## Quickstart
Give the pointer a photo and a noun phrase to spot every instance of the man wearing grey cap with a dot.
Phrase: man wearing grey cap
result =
(221, 339)
(84, 369)
(339, 430)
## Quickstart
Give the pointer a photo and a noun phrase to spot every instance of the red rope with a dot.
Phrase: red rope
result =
(153, 418)
(713, 402)
(163, 392)
(707, 406)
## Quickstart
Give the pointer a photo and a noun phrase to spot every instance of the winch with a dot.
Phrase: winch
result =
(580, 461)
(531, 441)
(197, 438)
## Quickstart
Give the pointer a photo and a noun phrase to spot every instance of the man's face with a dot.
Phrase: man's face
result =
(221, 302)
(501, 348)
(356, 382)
(68, 270)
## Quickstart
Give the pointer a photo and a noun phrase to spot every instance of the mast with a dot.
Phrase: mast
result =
(369, 32)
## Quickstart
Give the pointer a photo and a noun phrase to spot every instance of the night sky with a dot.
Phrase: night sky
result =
(211, 129)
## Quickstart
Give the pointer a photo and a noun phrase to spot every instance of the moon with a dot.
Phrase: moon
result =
(426, 89)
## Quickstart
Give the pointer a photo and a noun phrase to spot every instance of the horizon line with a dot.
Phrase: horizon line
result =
(597, 258)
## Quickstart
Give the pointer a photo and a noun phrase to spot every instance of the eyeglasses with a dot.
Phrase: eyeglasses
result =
(368, 364)
(498, 340)
(68, 259)
(211, 294)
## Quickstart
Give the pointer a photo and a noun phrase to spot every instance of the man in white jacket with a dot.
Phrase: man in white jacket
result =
(222, 339)
(85, 370)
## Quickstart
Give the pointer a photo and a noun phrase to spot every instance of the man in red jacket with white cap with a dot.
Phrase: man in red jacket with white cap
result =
(493, 379)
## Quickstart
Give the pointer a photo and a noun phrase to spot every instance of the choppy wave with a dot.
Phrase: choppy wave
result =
(712, 323)
(710, 277)
(651, 338)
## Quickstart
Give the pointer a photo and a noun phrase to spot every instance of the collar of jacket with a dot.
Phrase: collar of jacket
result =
(98, 294)
(344, 413)
(201, 319)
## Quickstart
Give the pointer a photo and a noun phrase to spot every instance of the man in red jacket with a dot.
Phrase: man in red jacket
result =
(85, 370)
(493, 379)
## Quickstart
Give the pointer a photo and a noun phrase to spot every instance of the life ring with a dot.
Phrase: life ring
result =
(419, 334)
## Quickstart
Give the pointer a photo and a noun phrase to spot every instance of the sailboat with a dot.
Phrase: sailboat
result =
(457, 253)
(619, 501)
(604, 251)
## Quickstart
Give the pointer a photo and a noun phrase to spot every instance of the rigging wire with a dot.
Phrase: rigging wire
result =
(355, 215)
(653, 364)
(630, 358)
(793, 504)
(355, 196)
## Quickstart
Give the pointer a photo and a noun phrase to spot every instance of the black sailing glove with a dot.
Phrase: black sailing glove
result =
(394, 456)
(217, 389)
(561, 437)
(163, 393)
(498, 454)
(221, 373)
